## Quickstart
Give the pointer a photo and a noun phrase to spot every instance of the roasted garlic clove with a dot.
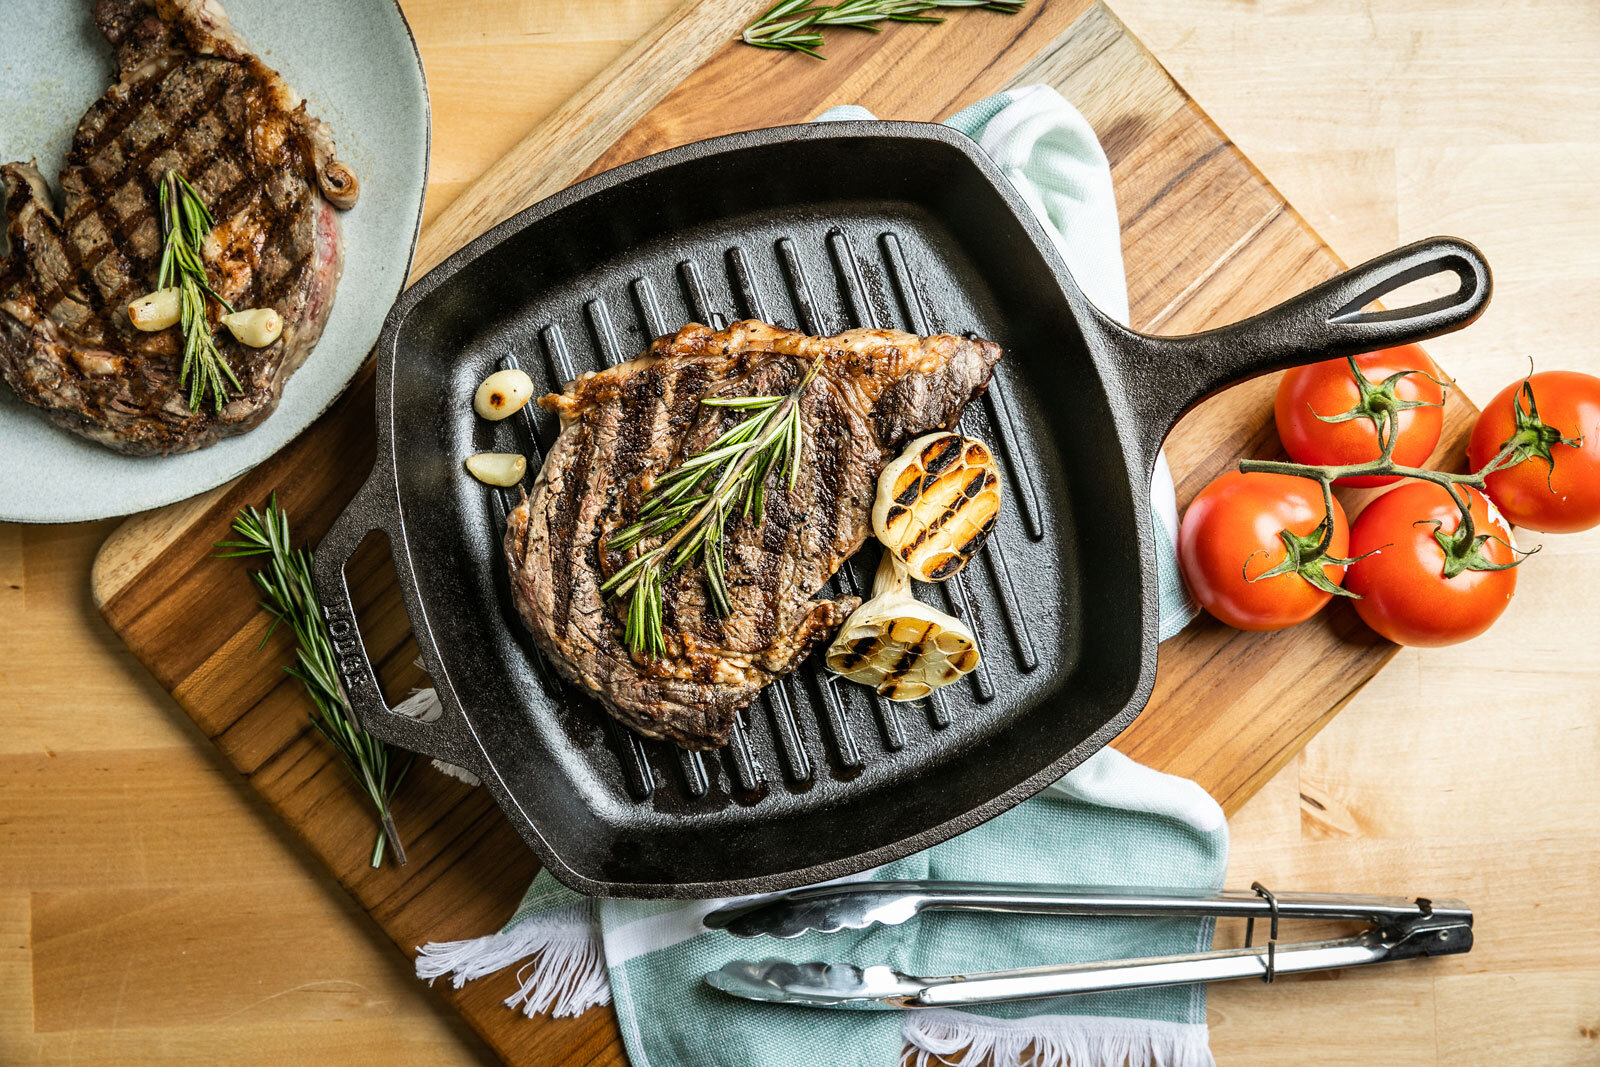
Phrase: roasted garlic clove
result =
(937, 503)
(156, 311)
(502, 393)
(898, 645)
(497, 468)
(256, 327)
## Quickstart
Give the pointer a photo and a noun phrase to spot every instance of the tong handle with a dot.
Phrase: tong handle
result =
(862, 904)
(1430, 938)
(1119, 900)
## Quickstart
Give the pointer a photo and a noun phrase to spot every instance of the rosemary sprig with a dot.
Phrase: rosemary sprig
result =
(185, 222)
(692, 515)
(288, 596)
(796, 25)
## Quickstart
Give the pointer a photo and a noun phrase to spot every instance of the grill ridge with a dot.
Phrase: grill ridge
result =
(547, 675)
(745, 767)
(692, 764)
(792, 746)
(844, 740)
(781, 702)
(644, 295)
(629, 745)
(805, 303)
(698, 299)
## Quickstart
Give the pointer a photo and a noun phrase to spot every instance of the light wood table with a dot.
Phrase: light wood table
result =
(152, 911)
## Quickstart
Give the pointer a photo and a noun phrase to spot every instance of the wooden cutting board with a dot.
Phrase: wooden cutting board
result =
(1207, 241)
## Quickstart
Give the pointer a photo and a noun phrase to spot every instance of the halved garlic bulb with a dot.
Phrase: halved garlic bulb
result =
(937, 503)
(898, 645)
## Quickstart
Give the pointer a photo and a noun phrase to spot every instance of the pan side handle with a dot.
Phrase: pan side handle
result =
(1163, 377)
(447, 737)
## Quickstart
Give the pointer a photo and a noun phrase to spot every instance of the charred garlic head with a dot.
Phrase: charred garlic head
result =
(937, 503)
(898, 645)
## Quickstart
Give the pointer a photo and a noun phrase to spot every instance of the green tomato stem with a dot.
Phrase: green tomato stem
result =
(1463, 547)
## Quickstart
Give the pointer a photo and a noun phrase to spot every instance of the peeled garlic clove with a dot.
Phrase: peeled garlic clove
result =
(256, 327)
(898, 645)
(156, 311)
(937, 503)
(497, 468)
(502, 393)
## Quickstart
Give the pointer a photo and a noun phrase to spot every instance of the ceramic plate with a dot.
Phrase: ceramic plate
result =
(360, 71)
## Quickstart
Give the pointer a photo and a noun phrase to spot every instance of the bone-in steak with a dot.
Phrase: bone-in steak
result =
(190, 96)
(626, 426)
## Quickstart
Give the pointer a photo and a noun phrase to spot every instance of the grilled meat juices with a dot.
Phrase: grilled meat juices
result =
(190, 97)
(624, 427)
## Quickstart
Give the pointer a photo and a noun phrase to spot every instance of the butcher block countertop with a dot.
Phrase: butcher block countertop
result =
(153, 911)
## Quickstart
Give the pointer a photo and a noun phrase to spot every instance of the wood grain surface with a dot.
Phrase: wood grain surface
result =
(1207, 241)
(149, 914)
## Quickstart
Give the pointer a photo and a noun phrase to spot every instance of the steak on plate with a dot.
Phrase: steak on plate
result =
(189, 96)
(625, 426)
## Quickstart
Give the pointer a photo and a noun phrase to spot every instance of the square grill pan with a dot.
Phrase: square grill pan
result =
(819, 228)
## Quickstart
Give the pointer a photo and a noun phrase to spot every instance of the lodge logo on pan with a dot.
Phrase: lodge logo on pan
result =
(346, 645)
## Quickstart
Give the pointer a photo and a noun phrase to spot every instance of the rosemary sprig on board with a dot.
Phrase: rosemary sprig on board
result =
(695, 514)
(185, 222)
(796, 25)
(288, 596)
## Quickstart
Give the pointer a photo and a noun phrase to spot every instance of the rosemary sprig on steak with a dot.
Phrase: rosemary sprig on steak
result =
(185, 222)
(288, 596)
(694, 513)
(796, 25)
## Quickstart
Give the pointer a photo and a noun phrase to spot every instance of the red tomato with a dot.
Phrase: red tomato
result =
(1232, 528)
(1330, 389)
(1404, 593)
(1560, 496)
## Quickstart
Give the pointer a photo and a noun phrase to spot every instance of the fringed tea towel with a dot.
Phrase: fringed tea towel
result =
(1110, 822)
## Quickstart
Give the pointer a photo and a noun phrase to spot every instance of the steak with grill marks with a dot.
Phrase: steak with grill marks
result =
(189, 96)
(626, 426)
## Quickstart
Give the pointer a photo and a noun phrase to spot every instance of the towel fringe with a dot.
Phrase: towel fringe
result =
(424, 706)
(566, 976)
(958, 1039)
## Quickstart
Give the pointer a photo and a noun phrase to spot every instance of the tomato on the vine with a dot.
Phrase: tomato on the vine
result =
(1236, 558)
(1412, 590)
(1553, 421)
(1401, 380)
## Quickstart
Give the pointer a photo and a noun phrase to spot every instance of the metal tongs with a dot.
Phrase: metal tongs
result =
(1401, 929)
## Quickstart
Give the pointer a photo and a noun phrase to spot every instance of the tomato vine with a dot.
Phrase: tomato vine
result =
(1464, 547)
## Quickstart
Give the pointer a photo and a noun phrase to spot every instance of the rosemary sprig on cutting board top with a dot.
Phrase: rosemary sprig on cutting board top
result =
(693, 514)
(185, 223)
(289, 597)
(796, 25)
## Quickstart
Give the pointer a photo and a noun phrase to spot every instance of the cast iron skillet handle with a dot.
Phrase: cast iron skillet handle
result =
(372, 508)
(1165, 376)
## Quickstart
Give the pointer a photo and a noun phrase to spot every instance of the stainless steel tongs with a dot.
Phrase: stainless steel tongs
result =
(1401, 929)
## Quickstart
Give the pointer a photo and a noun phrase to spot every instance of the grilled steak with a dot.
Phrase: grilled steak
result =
(626, 426)
(190, 96)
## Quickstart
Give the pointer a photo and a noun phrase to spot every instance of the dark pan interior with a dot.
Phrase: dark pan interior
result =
(820, 233)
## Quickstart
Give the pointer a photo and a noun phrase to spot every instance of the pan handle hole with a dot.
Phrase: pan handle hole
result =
(1438, 286)
(381, 618)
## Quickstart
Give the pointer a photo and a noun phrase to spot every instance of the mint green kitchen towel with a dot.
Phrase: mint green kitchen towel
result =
(1110, 822)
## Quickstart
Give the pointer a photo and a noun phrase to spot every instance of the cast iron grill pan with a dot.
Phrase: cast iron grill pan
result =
(818, 228)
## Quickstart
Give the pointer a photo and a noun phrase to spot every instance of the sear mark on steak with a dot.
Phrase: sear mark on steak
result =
(625, 426)
(189, 96)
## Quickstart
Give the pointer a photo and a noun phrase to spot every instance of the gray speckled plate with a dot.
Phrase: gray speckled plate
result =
(358, 68)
